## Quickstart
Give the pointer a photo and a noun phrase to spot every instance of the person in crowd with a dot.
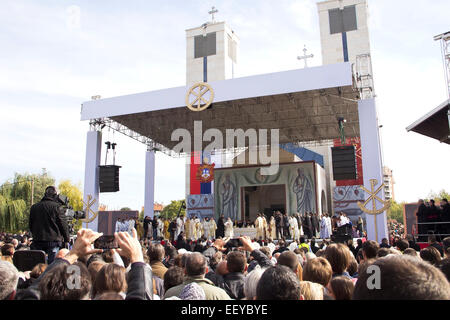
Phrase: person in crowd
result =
(421, 215)
(48, 224)
(278, 225)
(146, 224)
(278, 283)
(220, 231)
(433, 243)
(338, 255)
(370, 249)
(173, 277)
(341, 288)
(402, 245)
(286, 231)
(251, 282)
(310, 291)
(155, 254)
(111, 277)
(314, 248)
(290, 260)
(402, 278)
(7, 251)
(444, 266)
(446, 247)
(170, 253)
(385, 243)
(411, 252)
(9, 277)
(445, 216)
(233, 280)
(433, 215)
(172, 229)
(431, 255)
(195, 269)
(318, 270)
(412, 243)
(360, 225)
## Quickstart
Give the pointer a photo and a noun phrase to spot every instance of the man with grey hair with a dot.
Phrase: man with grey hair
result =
(251, 283)
(9, 276)
(195, 269)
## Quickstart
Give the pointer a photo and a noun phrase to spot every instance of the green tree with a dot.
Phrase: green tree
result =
(171, 210)
(11, 214)
(125, 209)
(438, 196)
(395, 211)
(18, 194)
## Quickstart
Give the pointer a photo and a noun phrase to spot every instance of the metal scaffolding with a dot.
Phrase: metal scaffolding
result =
(364, 76)
(444, 38)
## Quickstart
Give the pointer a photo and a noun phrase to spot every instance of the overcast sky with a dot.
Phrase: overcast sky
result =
(56, 54)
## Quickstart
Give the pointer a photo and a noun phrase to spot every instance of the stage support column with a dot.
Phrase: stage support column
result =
(91, 176)
(149, 182)
(372, 163)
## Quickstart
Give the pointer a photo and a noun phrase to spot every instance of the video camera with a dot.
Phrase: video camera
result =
(69, 213)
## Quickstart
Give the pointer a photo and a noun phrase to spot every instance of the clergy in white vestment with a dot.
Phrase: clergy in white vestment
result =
(229, 228)
(296, 234)
(324, 231)
(205, 225)
(212, 229)
(198, 228)
(273, 228)
(193, 229)
(180, 227)
(160, 228)
(259, 225)
(187, 228)
(329, 226)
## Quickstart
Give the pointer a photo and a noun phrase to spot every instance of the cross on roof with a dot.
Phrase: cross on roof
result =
(212, 12)
(305, 57)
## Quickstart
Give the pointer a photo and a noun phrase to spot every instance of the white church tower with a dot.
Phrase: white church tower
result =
(211, 55)
(344, 30)
(211, 52)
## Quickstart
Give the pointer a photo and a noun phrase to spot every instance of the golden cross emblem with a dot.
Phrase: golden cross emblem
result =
(373, 197)
(199, 92)
(89, 210)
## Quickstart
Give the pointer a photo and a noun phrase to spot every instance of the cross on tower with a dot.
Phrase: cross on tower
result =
(305, 57)
(212, 12)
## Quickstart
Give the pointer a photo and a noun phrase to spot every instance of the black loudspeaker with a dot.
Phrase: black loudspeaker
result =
(344, 163)
(109, 178)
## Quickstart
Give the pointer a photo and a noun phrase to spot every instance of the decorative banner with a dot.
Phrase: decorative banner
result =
(201, 205)
(198, 92)
(205, 173)
(345, 198)
(373, 196)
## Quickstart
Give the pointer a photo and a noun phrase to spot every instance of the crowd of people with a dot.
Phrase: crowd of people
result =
(224, 269)
(202, 260)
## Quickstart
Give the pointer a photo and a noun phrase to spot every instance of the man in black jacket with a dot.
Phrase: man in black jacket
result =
(48, 224)
(278, 225)
(220, 232)
(233, 281)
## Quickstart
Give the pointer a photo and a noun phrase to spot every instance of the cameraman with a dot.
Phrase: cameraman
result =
(48, 224)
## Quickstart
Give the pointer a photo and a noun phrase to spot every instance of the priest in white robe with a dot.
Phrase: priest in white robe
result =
(259, 225)
(229, 228)
(180, 226)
